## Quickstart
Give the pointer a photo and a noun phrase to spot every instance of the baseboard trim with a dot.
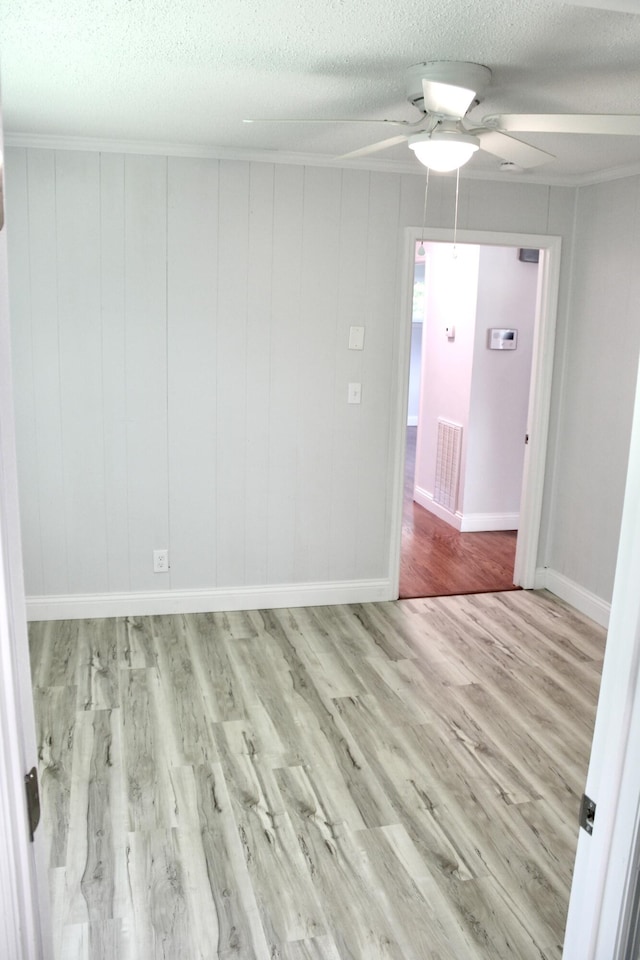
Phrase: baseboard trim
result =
(425, 499)
(466, 522)
(478, 522)
(579, 597)
(99, 605)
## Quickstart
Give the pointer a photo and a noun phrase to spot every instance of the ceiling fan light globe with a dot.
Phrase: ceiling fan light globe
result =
(444, 151)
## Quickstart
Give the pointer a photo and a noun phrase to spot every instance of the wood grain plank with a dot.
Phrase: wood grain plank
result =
(288, 907)
(189, 739)
(96, 886)
(421, 930)
(161, 921)
(341, 877)
(225, 695)
(268, 786)
(99, 940)
(240, 933)
(57, 660)
(135, 643)
(144, 735)
(55, 712)
(98, 664)
(320, 948)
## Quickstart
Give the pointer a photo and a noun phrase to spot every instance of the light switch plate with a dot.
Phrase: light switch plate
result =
(356, 338)
(354, 393)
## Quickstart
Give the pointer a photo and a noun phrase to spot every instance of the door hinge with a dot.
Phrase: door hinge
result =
(33, 800)
(526, 438)
(587, 813)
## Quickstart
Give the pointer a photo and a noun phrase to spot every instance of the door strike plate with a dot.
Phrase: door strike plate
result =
(587, 813)
(33, 800)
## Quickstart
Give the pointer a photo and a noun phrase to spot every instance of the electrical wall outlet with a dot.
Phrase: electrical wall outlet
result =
(160, 561)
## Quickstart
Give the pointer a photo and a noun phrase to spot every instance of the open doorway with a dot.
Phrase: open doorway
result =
(473, 326)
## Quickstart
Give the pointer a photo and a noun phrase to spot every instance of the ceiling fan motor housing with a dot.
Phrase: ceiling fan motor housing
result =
(442, 73)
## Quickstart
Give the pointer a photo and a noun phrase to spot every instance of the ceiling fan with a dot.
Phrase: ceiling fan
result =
(443, 138)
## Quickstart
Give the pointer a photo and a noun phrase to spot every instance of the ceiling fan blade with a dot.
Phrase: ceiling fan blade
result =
(373, 148)
(394, 123)
(508, 148)
(623, 125)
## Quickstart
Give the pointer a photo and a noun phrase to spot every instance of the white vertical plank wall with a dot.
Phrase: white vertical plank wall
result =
(380, 303)
(287, 303)
(315, 372)
(25, 399)
(258, 383)
(48, 460)
(191, 341)
(231, 371)
(80, 363)
(113, 372)
(145, 199)
(351, 286)
(182, 368)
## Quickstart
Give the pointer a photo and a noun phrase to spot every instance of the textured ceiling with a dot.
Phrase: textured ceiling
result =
(188, 72)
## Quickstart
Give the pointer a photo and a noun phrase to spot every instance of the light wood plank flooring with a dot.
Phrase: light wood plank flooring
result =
(367, 782)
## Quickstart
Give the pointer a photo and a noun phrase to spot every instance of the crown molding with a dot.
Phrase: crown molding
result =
(206, 151)
(604, 176)
(210, 151)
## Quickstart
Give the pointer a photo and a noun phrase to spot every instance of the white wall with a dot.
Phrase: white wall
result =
(451, 293)
(181, 364)
(500, 386)
(484, 391)
(594, 390)
(180, 352)
(415, 360)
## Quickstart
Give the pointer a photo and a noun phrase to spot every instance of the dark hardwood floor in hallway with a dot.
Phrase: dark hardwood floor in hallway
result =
(438, 560)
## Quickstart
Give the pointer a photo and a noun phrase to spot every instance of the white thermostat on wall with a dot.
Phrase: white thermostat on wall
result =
(501, 339)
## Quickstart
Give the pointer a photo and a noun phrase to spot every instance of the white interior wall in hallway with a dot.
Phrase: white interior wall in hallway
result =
(483, 391)
(499, 395)
(450, 299)
(180, 350)
(413, 407)
(417, 318)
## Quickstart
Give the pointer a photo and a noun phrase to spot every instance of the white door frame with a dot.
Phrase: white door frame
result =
(539, 395)
(24, 908)
(604, 861)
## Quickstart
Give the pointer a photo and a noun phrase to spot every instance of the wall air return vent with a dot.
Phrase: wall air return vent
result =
(445, 491)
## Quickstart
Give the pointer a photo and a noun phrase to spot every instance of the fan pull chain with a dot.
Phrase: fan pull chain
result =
(455, 219)
(424, 216)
